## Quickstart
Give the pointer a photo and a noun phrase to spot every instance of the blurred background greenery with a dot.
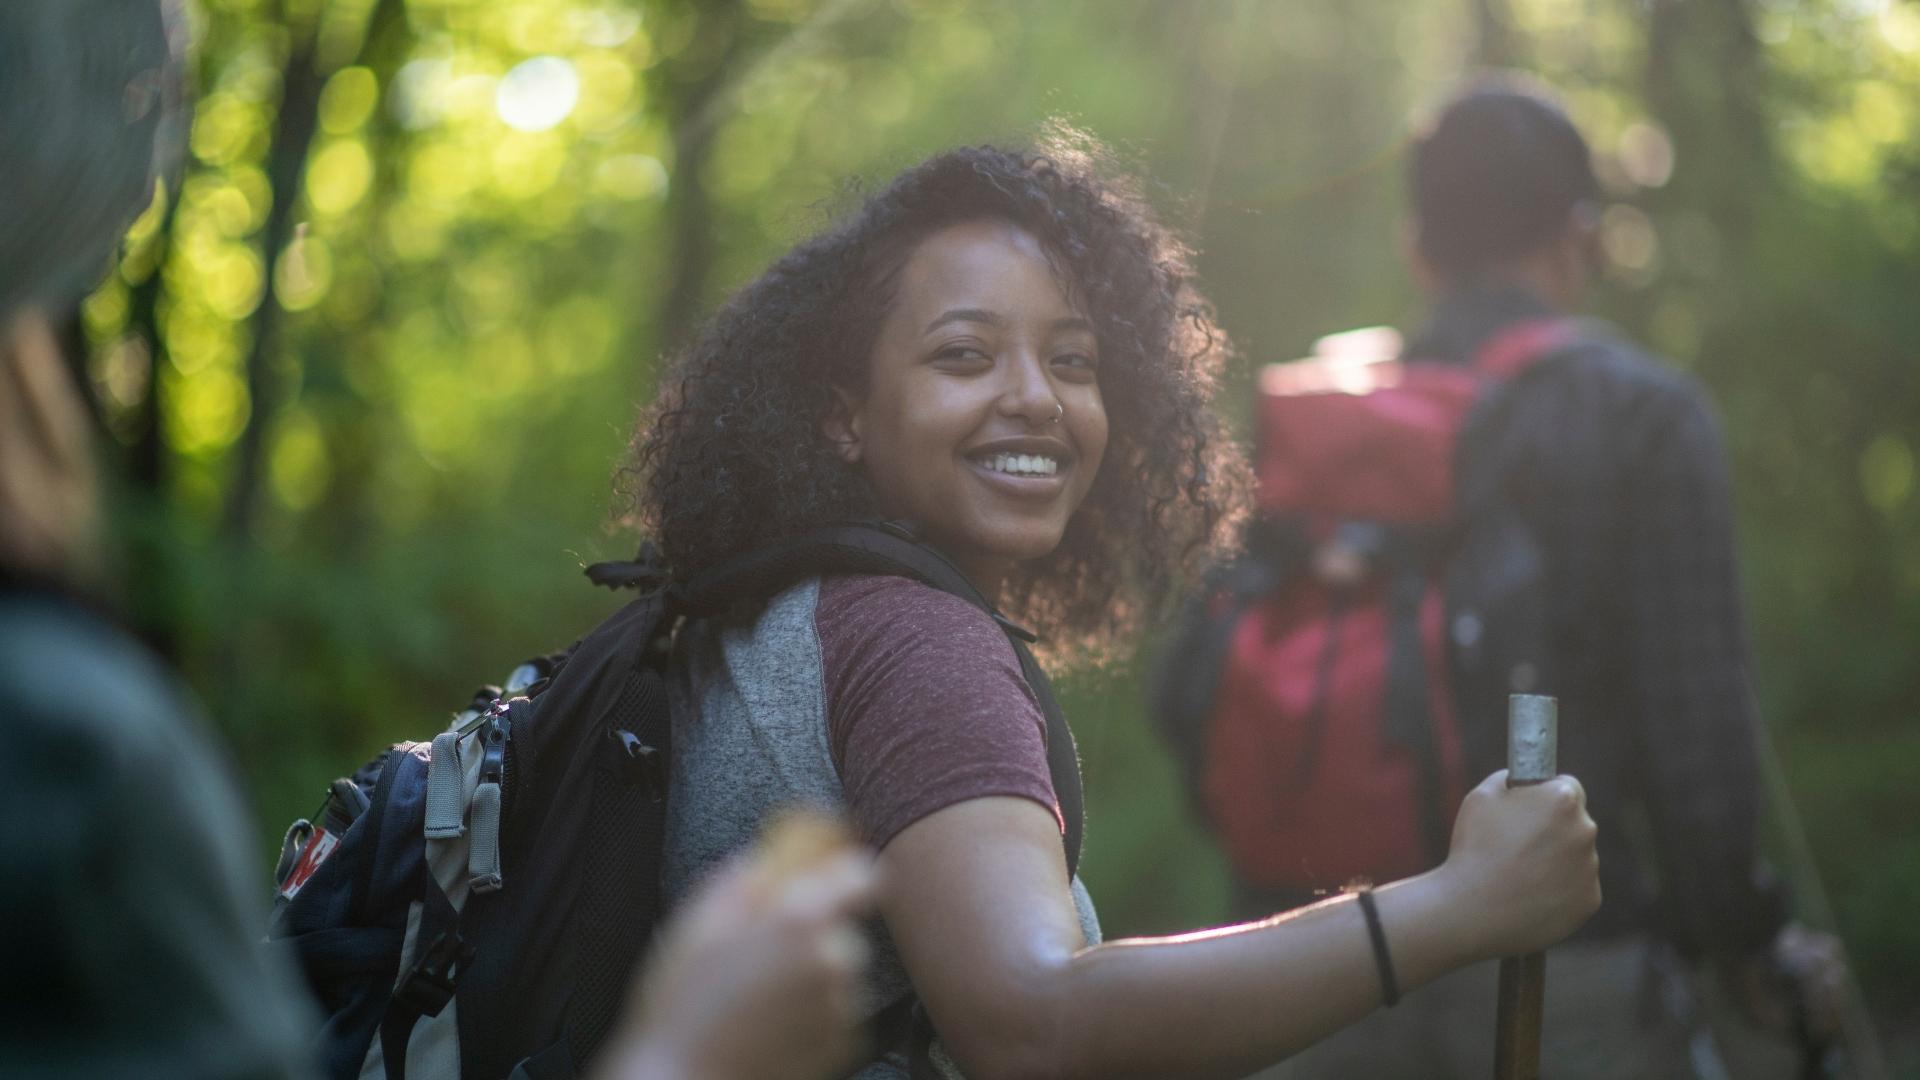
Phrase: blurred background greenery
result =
(367, 370)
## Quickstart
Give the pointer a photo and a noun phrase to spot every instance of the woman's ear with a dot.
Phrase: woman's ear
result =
(842, 427)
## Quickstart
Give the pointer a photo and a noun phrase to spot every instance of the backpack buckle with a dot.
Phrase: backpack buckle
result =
(493, 753)
(645, 571)
(641, 764)
(429, 985)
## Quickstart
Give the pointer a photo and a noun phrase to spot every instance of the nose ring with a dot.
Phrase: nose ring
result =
(1059, 411)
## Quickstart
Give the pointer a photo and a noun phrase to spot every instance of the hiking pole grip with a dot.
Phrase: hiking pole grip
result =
(1533, 750)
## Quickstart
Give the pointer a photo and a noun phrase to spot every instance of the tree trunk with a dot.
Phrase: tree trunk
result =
(294, 127)
(1494, 42)
(692, 94)
(1705, 81)
(147, 462)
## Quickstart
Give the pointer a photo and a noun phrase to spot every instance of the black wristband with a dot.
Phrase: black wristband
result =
(1382, 959)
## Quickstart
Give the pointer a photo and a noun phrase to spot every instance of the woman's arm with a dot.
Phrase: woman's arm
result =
(976, 897)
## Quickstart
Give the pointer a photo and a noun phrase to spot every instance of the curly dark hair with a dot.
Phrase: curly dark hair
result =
(735, 455)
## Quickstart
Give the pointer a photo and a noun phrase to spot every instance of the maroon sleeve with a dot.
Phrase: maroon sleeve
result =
(926, 706)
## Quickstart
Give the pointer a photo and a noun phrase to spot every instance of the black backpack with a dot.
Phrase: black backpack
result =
(474, 906)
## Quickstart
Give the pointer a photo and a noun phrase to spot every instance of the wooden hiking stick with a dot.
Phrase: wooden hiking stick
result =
(1533, 744)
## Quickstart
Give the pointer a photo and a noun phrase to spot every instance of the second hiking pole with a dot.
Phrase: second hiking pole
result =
(1533, 744)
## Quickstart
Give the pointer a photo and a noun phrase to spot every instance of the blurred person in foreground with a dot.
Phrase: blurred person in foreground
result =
(130, 942)
(125, 871)
(1614, 461)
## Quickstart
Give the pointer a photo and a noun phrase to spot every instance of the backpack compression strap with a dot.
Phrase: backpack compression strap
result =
(888, 548)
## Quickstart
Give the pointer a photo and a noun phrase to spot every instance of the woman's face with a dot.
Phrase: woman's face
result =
(982, 422)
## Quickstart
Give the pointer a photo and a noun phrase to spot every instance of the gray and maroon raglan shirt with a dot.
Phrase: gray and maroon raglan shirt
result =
(877, 698)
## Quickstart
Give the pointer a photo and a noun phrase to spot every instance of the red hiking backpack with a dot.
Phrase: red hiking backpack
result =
(1312, 686)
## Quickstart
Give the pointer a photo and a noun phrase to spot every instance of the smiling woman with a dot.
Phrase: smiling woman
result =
(1015, 283)
(964, 428)
(1004, 353)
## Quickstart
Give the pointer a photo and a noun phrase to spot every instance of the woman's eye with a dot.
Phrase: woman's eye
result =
(1078, 363)
(962, 356)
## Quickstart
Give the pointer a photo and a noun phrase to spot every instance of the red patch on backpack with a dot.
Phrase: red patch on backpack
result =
(319, 846)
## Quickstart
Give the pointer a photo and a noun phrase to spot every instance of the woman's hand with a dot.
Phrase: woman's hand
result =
(1523, 863)
(758, 976)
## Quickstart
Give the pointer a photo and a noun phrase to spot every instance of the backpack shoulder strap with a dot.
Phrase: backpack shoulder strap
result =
(891, 548)
(1522, 348)
(855, 547)
(1517, 347)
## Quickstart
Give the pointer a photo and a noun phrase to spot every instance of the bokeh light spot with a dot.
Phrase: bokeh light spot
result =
(304, 273)
(298, 465)
(1900, 27)
(632, 177)
(196, 343)
(224, 126)
(606, 92)
(1646, 155)
(348, 100)
(1883, 110)
(105, 311)
(537, 94)
(122, 372)
(1629, 238)
(527, 164)
(607, 28)
(232, 282)
(227, 207)
(419, 96)
(1886, 472)
(208, 410)
(339, 176)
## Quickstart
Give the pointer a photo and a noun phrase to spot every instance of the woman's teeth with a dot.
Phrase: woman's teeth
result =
(1022, 464)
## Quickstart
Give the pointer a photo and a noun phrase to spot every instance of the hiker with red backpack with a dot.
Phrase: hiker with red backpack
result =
(1516, 502)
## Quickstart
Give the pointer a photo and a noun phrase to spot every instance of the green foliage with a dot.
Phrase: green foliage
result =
(498, 213)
